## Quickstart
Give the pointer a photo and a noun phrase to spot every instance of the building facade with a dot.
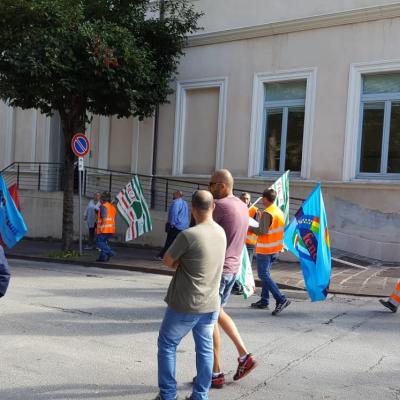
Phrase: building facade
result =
(266, 86)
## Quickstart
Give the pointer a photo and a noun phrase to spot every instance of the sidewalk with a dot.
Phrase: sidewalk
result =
(350, 274)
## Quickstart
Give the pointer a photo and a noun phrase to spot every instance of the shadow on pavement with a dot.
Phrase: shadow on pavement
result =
(78, 391)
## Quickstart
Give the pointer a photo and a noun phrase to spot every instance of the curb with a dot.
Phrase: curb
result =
(159, 271)
(93, 264)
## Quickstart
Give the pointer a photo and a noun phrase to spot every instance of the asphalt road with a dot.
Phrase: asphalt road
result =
(69, 332)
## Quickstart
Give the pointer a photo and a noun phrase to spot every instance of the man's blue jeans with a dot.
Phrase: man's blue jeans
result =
(102, 244)
(174, 327)
(264, 264)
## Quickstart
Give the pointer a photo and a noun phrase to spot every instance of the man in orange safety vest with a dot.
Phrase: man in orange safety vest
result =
(269, 244)
(105, 226)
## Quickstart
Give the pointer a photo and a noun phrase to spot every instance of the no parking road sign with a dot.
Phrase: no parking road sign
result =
(80, 145)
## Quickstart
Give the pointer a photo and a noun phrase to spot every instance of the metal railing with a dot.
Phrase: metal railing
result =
(48, 177)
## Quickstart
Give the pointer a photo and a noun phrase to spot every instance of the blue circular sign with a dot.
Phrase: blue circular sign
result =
(80, 145)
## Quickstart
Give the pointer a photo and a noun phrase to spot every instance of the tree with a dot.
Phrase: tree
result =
(105, 57)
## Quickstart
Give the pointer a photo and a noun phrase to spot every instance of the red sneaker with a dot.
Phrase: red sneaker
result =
(245, 367)
(218, 382)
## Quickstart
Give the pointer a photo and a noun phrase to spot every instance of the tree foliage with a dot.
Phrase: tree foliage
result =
(106, 57)
(110, 57)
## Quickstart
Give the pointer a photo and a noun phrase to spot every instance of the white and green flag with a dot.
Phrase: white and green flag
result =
(133, 209)
(281, 187)
(245, 275)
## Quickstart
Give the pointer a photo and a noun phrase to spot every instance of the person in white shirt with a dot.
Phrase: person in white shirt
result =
(90, 216)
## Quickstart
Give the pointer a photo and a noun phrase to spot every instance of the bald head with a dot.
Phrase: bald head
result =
(223, 176)
(202, 205)
(221, 184)
(202, 200)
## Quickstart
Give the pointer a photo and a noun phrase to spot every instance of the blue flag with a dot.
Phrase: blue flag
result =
(12, 225)
(307, 237)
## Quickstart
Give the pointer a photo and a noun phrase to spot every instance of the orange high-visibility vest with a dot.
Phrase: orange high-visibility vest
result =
(107, 224)
(395, 296)
(251, 237)
(272, 242)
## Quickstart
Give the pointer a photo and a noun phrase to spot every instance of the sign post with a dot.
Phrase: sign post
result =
(80, 146)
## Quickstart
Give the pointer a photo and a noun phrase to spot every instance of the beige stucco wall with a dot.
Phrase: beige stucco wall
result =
(228, 14)
(93, 135)
(120, 147)
(127, 144)
(24, 136)
(201, 127)
(330, 51)
(5, 141)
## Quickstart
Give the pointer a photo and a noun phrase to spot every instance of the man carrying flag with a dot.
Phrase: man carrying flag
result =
(269, 244)
(307, 237)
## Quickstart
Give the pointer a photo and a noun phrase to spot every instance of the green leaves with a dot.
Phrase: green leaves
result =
(114, 55)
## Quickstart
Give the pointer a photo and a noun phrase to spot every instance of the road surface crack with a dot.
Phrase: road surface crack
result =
(294, 363)
(67, 310)
(372, 367)
(330, 321)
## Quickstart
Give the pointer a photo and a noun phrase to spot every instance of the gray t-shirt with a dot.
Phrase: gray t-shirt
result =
(194, 287)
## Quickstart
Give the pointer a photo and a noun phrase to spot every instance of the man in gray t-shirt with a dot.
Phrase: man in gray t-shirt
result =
(197, 255)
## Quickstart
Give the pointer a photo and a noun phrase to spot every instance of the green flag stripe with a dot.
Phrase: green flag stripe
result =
(148, 222)
(147, 218)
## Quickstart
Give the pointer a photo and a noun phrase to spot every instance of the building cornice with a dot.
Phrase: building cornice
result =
(297, 25)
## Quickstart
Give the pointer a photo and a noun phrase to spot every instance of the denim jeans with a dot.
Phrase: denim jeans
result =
(225, 287)
(264, 264)
(102, 244)
(174, 327)
(250, 251)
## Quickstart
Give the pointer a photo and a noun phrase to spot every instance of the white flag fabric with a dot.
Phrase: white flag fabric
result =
(281, 187)
(245, 275)
(134, 210)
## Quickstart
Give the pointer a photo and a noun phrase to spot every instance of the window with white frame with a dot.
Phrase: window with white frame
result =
(379, 144)
(284, 110)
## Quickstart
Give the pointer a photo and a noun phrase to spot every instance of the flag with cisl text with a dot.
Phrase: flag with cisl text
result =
(134, 210)
(12, 224)
(281, 187)
(307, 237)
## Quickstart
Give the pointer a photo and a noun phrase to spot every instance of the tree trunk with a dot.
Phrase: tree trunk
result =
(72, 123)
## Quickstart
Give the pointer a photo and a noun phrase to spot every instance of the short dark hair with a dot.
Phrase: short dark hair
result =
(270, 195)
(105, 196)
(202, 200)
